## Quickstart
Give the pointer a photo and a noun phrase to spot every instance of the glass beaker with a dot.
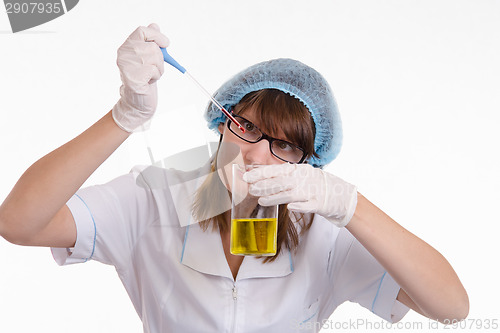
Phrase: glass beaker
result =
(254, 228)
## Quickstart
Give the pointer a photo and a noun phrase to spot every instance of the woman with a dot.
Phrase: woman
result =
(166, 232)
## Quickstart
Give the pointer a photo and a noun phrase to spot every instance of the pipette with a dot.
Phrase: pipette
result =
(168, 59)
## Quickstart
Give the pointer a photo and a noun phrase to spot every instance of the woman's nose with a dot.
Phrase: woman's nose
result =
(258, 153)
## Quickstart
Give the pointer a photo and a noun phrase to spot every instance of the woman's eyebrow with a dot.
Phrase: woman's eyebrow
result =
(282, 136)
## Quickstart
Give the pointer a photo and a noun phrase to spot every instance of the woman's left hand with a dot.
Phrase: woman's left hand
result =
(305, 189)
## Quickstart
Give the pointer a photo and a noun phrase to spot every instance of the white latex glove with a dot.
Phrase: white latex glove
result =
(305, 189)
(141, 64)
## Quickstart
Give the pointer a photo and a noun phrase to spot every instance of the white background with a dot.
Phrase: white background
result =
(417, 83)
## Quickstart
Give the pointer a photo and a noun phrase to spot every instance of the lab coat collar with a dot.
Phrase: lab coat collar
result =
(203, 252)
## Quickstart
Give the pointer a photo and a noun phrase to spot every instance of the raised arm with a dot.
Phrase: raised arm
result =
(429, 284)
(34, 213)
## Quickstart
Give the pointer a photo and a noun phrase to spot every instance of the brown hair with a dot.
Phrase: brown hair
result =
(275, 110)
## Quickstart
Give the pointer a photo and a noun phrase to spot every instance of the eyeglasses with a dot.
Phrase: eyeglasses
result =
(283, 150)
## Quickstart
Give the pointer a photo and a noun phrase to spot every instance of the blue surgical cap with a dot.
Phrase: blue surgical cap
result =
(299, 80)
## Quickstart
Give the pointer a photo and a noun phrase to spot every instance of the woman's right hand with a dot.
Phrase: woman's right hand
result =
(35, 211)
(141, 64)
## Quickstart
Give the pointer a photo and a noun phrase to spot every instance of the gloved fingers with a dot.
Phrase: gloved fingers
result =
(268, 171)
(136, 61)
(150, 33)
(153, 73)
(272, 200)
(280, 198)
(271, 186)
(160, 38)
(154, 26)
(138, 79)
(151, 55)
(301, 207)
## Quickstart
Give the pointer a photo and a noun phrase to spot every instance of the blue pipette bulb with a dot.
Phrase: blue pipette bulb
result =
(168, 58)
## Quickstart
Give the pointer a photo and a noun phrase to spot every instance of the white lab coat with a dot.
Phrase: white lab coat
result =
(178, 278)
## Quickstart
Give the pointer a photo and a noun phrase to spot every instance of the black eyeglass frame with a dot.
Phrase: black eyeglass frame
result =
(268, 138)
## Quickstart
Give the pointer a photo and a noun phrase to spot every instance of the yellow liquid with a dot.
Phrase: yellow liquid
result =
(255, 237)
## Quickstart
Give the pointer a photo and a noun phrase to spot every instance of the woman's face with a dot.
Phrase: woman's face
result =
(234, 150)
(249, 153)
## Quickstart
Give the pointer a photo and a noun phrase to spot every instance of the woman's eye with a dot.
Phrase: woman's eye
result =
(284, 146)
(249, 127)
